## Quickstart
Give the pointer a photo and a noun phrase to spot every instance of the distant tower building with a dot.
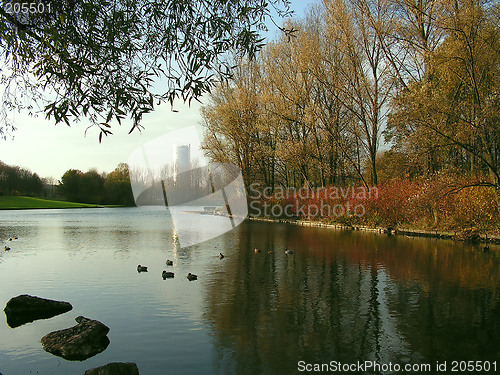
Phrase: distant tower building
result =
(182, 158)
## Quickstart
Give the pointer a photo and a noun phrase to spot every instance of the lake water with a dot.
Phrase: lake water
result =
(342, 297)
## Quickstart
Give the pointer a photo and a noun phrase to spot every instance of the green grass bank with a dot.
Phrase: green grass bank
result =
(24, 203)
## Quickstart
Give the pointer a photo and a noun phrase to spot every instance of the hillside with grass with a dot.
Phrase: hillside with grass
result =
(21, 203)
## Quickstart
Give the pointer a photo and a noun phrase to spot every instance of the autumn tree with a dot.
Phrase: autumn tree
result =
(457, 103)
(365, 70)
(70, 185)
(231, 121)
(117, 188)
(15, 180)
(308, 113)
(91, 187)
(289, 92)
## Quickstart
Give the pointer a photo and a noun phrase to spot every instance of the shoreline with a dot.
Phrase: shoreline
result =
(410, 232)
(20, 202)
(53, 208)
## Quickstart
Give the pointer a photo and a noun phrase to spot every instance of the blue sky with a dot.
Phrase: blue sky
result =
(50, 150)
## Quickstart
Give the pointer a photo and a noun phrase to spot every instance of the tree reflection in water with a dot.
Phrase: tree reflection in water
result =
(347, 297)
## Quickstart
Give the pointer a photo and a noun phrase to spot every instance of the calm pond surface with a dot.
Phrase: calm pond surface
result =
(342, 296)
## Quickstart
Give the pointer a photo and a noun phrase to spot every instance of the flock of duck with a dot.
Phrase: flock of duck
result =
(287, 251)
(191, 276)
(167, 274)
(170, 275)
(7, 248)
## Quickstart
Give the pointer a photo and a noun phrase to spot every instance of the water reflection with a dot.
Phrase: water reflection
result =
(350, 296)
(342, 296)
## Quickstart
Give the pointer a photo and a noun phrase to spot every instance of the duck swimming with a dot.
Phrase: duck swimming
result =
(256, 251)
(221, 256)
(167, 275)
(288, 252)
(192, 276)
(169, 262)
(142, 268)
(6, 248)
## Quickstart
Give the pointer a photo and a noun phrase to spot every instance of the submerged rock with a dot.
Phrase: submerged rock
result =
(79, 342)
(25, 308)
(115, 368)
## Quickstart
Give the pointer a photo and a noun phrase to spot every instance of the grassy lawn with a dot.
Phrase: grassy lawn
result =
(19, 203)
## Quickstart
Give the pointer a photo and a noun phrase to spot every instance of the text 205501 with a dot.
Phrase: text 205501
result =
(27, 7)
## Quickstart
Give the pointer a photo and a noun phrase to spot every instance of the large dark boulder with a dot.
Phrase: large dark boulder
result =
(115, 368)
(25, 308)
(79, 342)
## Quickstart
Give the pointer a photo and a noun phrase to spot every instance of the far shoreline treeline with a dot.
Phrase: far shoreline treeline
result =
(91, 187)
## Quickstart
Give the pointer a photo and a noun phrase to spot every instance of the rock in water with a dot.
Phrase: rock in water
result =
(24, 309)
(79, 342)
(115, 368)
